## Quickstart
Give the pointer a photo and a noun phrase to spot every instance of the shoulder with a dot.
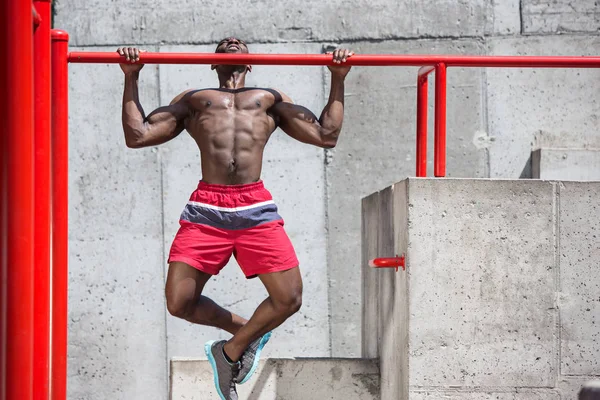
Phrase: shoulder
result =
(280, 96)
(185, 96)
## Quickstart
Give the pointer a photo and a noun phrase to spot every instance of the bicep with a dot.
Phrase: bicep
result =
(166, 122)
(299, 122)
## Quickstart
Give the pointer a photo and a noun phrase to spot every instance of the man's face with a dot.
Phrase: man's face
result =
(232, 45)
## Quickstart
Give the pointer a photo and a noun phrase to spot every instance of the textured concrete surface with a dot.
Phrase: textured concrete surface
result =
(560, 16)
(299, 193)
(580, 278)
(566, 164)
(370, 276)
(481, 262)
(529, 109)
(376, 148)
(185, 21)
(289, 379)
(117, 346)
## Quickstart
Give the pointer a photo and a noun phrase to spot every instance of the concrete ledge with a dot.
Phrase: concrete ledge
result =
(566, 164)
(289, 379)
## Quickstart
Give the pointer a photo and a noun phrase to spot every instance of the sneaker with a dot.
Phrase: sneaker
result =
(250, 358)
(224, 372)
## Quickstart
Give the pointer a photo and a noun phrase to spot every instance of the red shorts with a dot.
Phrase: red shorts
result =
(221, 220)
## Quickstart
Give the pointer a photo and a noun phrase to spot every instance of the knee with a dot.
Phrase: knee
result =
(290, 304)
(177, 306)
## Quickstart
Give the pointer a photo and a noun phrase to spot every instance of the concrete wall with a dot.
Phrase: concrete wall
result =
(500, 294)
(125, 203)
(289, 379)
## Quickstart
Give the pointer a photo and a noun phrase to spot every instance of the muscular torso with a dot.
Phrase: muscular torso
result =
(231, 128)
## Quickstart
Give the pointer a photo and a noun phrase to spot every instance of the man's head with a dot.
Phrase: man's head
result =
(232, 45)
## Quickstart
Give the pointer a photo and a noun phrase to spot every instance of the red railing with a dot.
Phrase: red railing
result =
(26, 176)
(17, 195)
(42, 209)
(60, 224)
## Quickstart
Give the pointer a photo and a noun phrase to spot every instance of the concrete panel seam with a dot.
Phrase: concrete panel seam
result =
(326, 200)
(163, 233)
(485, 119)
(350, 40)
(567, 34)
(557, 285)
(522, 28)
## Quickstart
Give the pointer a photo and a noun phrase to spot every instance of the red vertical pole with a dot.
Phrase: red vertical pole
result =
(422, 87)
(18, 199)
(440, 121)
(60, 163)
(42, 126)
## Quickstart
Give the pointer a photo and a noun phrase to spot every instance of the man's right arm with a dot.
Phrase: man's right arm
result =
(161, 125)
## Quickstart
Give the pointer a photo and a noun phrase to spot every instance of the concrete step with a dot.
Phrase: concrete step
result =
(566, 164)
(284, 379)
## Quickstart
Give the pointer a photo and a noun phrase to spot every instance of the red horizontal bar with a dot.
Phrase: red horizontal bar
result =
(359, 59)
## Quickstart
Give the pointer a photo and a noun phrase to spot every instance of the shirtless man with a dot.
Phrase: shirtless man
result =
(231, 212)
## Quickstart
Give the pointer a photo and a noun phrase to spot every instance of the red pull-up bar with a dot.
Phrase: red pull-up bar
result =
(356, 60)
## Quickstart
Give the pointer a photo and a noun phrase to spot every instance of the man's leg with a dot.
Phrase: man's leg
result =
(184, 299)
(285, 299)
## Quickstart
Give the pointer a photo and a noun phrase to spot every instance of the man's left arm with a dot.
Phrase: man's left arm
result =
(301, 124)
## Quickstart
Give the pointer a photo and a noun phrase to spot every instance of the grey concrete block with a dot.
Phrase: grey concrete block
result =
(288, 379)
(560, 16)
(536, 108)
(295, 175)
(580, 278)
(517, 394)
(481, 262)
(117, 344)
(566, 164)
(183, 21)
(377, 147)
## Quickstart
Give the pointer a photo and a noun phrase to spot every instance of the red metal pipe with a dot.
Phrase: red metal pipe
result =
(389, 262)
(359, 59)
(42, 207)
(18, 199)
(439, 167)
(422, 87)
(60, 167)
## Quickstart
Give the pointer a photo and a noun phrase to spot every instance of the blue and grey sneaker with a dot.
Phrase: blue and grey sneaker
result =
(224, 372)
(250, 358)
